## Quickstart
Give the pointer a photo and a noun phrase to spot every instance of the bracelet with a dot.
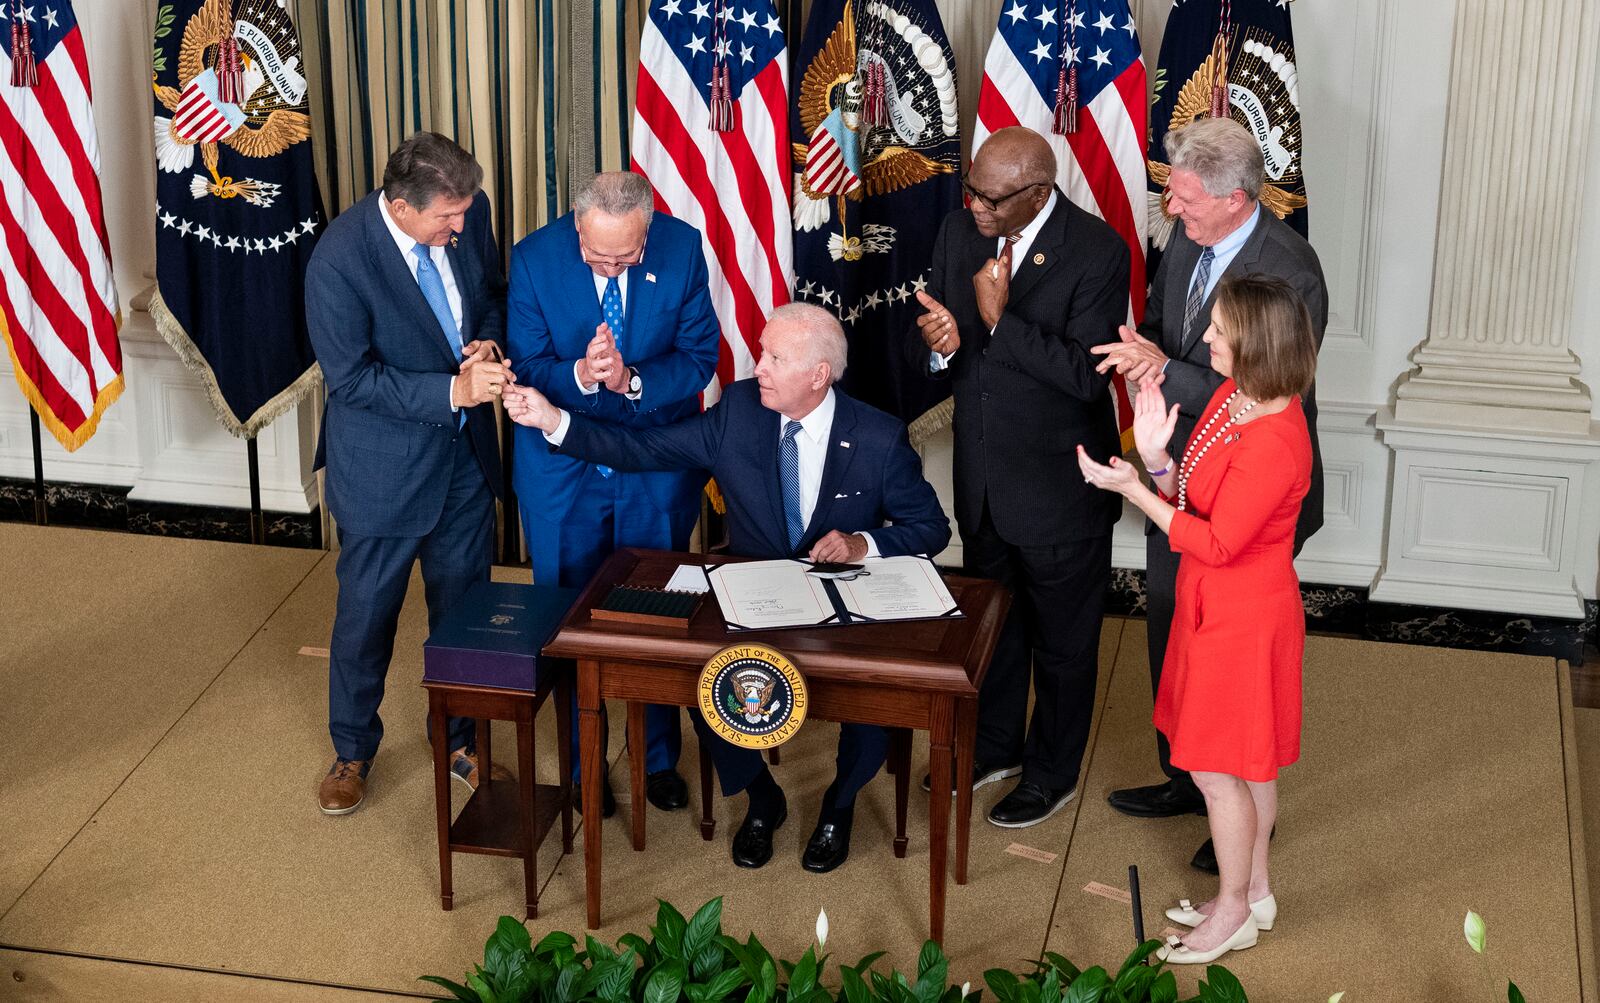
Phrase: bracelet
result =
(1163, 471)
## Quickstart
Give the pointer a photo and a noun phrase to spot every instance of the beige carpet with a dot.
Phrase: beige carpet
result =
(107, 640)
(1432, 782)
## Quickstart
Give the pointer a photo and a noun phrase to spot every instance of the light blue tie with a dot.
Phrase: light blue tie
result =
(789, 482)
(432, 286)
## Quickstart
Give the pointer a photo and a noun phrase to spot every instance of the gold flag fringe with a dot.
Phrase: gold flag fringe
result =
(178, 338)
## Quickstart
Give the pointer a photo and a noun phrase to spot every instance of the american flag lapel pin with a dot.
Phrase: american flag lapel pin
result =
(649, 276)
(843, 444)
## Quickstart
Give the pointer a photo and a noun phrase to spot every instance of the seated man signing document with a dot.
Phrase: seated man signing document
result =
(807, 472)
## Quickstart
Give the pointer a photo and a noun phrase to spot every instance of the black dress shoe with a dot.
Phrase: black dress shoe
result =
(1205, 858)
(608, 800)
(982, 773)
(829, 845)
(666, 790)
(1029, 804)
(752, 844)
(1158, 801)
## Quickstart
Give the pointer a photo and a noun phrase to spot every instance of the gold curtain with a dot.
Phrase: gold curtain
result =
(540, 91)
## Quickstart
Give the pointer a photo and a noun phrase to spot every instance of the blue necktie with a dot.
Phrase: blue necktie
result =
(433, 291)
(789, 482)
(611, 307)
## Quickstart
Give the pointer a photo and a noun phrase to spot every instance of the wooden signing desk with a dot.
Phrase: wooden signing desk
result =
(917, 674)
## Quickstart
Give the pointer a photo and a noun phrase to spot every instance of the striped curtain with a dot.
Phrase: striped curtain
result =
(540, 91)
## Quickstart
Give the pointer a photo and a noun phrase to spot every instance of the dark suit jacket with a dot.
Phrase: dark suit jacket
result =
(388, 434)
(670, 335)
(871, 475)
(1026, 396)
(1274, 248)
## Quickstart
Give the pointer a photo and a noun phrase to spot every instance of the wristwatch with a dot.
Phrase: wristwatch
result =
(635, 385)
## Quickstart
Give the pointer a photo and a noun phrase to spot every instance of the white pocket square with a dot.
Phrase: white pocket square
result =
(841, 495)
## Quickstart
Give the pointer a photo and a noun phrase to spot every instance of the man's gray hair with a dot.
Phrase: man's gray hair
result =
(427, 165)
(1221, 153)
(616, 193)
(825, 341)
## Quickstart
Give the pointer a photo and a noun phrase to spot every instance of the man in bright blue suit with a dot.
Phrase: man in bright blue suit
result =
(807, 472)
(406, 306)
(610, 317)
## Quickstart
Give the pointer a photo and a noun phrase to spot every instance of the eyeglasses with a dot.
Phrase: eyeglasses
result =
(994, 202)
(609, 261)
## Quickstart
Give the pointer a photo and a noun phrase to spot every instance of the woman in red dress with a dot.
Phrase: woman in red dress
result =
(1230, 687)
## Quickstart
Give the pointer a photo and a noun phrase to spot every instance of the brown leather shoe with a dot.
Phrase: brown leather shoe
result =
(345, 786)
(464, 767)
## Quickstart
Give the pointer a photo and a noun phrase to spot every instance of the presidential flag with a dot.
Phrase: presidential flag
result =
(710, 132)
(237, 207)
(58, 303)
(1233, 57)
(877, 149)
(1072, 70)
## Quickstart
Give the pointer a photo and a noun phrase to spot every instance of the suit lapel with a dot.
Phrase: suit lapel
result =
(840, 451)
(773, 432)
(1243, 263)
(389, 262)
(639, 306)
(1043, 253)
(465, 269)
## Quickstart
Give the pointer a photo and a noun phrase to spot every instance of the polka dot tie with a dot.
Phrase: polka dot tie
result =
(611, 309)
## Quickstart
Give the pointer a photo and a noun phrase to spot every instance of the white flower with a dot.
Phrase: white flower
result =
(822, 927)
(1476, 931)
(966, 987)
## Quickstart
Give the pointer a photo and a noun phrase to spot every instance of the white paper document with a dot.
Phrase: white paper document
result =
(689, 578)
(896, 588)
(764, 595)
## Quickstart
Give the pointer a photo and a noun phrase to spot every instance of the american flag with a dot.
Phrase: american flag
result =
(701, 60)
(58, 304)
(1099, 165)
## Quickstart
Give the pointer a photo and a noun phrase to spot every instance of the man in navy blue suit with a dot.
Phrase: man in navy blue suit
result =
(807, 472)
(406, 308)
(609, 316)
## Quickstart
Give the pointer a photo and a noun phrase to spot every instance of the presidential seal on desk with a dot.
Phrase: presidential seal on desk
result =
(753, 696)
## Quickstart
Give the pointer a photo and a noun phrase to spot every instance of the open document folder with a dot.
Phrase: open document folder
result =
(763, 595)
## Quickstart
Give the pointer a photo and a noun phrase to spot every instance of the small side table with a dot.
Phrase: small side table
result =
(503, 818)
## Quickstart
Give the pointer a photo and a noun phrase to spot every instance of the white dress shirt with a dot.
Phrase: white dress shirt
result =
(812, 445)
(1019, 253)
(440, 260)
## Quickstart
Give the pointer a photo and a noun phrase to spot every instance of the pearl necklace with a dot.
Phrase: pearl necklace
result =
(1191, 458)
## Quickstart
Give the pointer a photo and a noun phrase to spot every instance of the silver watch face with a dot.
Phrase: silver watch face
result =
(635, 383)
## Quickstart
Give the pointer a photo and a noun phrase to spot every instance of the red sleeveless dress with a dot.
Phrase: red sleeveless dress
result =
(1229, 700)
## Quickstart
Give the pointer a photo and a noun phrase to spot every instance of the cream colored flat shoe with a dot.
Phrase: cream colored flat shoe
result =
(1176, 953)
(1264, 912)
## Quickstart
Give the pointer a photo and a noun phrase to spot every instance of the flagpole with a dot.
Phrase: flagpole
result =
(39, 515)
(258, 526)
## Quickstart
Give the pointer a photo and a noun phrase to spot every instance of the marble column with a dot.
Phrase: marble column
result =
(1495, 449)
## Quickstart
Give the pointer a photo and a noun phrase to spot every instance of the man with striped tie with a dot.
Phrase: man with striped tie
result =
(1217, 175)
(405, 304)
(610, 315)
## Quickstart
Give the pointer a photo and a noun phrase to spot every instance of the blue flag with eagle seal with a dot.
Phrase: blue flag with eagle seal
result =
(877, 161)
(237, 206)
(1244, 49)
